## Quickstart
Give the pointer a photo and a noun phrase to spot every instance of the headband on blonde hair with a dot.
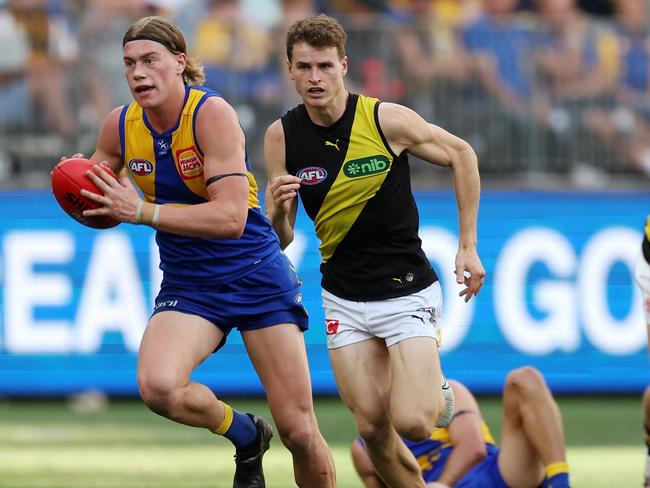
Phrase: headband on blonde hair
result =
(150, 37)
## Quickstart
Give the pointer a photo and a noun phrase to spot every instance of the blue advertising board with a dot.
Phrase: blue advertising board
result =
(559, 295)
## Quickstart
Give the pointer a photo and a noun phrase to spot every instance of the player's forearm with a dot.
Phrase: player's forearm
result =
(280, 221)
(203, 220)
(467, 188)
(460, 461)
(282, 227)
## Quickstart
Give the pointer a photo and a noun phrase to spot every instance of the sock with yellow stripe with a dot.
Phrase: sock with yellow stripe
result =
(557, 475)
(239, 428)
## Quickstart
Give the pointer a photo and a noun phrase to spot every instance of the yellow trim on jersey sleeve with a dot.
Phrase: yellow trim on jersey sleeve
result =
(348, 196)
(188, 159)
(138, 145)
(253, 201)
(185, 132)
(647, 228)
(442, 435)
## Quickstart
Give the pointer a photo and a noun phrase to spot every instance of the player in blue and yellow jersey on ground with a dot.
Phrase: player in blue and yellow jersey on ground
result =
(222, 266)
(464, 454)
(346, 156)
(642, 276)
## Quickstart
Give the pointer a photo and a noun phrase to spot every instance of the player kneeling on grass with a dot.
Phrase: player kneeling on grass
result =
(464, 454)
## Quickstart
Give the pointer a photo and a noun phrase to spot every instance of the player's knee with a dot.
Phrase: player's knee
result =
(157, 393)
(526, 381)
(298, 433)
(415, 428)
(373, 430)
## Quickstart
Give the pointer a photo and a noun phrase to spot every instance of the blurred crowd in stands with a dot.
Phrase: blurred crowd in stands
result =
(543, 87)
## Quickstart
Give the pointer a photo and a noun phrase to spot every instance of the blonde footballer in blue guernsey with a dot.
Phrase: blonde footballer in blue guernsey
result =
(183, 147)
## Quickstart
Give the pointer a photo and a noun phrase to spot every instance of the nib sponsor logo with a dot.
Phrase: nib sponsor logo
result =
(372, 165)
(331, 326)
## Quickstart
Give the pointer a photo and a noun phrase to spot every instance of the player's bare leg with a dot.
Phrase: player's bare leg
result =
(279, 356)
(173, 345)
(363, 377)
(646, 424)
(533, 435)
(364, 467)
(416, 399)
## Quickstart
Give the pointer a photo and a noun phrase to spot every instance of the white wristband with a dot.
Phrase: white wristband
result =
(156, 216)
(138, 213)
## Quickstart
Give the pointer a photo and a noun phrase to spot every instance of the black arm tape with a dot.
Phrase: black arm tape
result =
(218, 177)
(458, 413)
(646, 248)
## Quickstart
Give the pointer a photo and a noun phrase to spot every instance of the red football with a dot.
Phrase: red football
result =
(68, 178)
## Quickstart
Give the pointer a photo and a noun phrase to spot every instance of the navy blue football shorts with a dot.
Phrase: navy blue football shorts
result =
(268, 296)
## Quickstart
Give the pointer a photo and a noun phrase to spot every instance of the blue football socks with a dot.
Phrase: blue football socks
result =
(239, 428)
(557, 475)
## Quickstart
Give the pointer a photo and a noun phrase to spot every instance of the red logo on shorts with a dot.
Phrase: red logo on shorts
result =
(331, 326)
(647, 305)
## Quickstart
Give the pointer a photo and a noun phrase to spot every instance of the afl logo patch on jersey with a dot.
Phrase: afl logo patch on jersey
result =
(140, 167)
(312, 175)
(189, 163)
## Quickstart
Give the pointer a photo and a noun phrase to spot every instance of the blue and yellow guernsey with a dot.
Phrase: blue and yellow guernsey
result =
(168, 168)
(432, 454)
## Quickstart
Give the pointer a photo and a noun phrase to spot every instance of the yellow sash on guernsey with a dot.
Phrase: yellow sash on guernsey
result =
(348, 195)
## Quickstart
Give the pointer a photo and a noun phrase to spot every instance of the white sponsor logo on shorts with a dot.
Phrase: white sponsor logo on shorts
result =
(166, 303)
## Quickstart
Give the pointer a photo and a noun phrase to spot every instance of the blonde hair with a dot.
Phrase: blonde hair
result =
(320, 32)
(162, 31)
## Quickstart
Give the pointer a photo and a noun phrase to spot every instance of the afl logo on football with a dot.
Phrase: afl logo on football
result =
(312, 175)
(140, 167)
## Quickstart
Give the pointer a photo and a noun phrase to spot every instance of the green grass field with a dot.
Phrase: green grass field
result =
(47, 445)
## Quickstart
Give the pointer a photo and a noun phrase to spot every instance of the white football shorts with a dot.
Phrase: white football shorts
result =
(642, 277)
(395, 319)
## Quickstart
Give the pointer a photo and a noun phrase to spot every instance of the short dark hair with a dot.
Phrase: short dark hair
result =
(319, 32)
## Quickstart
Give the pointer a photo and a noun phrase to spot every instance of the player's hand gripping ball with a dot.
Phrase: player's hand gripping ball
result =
(68, 178)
